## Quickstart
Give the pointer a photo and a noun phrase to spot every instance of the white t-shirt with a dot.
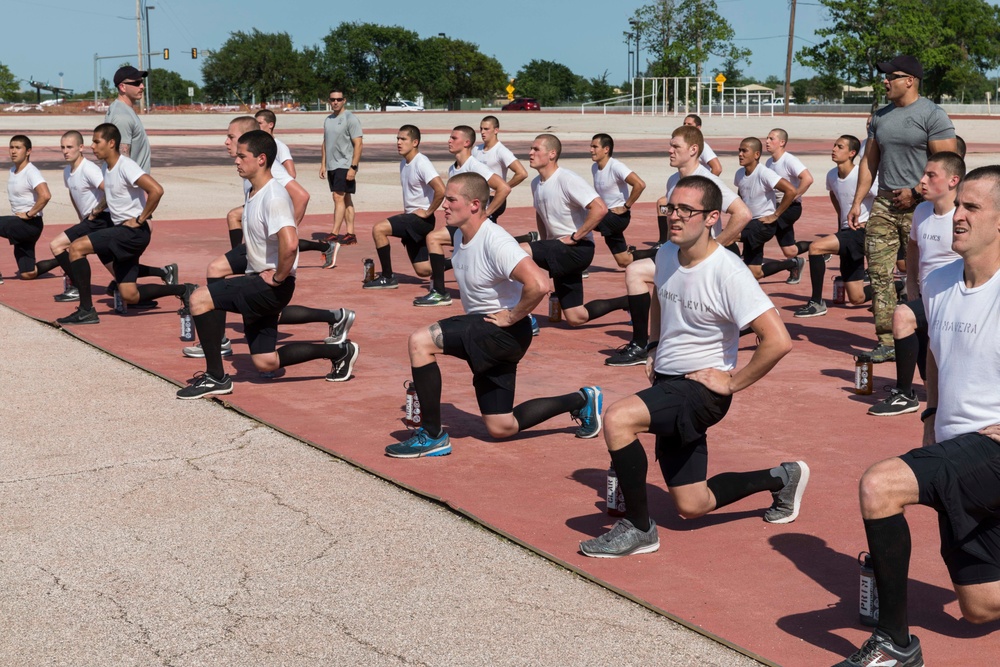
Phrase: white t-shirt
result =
(562, 201)
(932, 234)
(125, 198)
(702, 310)
(728, 196)
(472, 165)
(415, 177)
(757, 190)
(610, 182)
(707, 155)
(264, 215)
(84, 185)
(278, 173)
(283, 154)
(483, 267)
(21, 188)
(844, 189)
(789, 168)
(498, 159)
(964, 331)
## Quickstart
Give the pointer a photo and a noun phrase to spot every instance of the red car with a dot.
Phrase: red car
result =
(522, 104)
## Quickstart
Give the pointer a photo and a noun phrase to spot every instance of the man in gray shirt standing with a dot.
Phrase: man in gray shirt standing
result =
(903, 133)
(341, 155)
(121, 113)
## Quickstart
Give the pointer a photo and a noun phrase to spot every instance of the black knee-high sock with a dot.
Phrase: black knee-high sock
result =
(447, 264)
(299, 353)
(235, 237)
(385, 260)
(907, 349)
(889, 545)
(79, 270)
(817, 271)
(437, 271)
(152, 272)
(631, 467)
(63, 259)
(728, 487)
(523, 238)
(663, 227)
(210, 327)
(922, 353)
(601, 307)
(868, 293)
(427, 382)
(802, 246)
(645, 253)
(770, 268)
(150, 292)
(304, 315)
(534, 412)
(46, 265)
(321, 246)
(638, 308)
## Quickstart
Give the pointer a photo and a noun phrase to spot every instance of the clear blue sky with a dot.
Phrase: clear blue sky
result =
(46, 37)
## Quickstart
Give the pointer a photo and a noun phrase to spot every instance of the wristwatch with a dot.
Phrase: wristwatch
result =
(354, 167)
(927, 414)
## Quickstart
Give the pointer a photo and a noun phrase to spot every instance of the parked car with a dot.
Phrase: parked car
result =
(522, 104)
(778, 102)
(403, 105)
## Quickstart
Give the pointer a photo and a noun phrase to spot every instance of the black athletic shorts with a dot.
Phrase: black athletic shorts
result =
(960, 479)
(22, 234)
(87, 226)
(237, 258)
(258, 303)
(122, 246)
(413, 231)
(680, 412)
(337, 178)
(566, 264)
(785, 232)
(754, 237)
(612, 227)
(492, 353)
(852, 254)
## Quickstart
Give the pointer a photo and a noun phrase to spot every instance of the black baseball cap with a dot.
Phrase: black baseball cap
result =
(129, 73)
(907, 64)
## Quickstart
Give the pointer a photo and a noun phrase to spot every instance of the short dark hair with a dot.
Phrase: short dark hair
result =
(711, 195)
(695, 117)
(245, 123)
(492, 119)
(606, 142)
(754, 144)
(472, 186)
(469, 133)
(110, 132)
(552, 143)
(961, 146)
(338, 89)
(991, 173)
(413, 131)
(259, 141)
(953, 163)
(781, 133)
(853, 143)
(267, 115)
(75, 134)
(692, 136)
(21, 139)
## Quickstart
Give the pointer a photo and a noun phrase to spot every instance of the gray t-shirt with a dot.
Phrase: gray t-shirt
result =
(902, 134)
(339, 133)
(123, 116)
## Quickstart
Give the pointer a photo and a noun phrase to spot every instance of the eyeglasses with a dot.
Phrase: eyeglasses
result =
(894, 76)
(684, 213)
(336, 99)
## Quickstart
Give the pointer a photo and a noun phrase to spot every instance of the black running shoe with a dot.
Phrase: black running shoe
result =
(81, 316)
(204, 384)
(629, 354)
(342, 368)
(70, 295)
(881, 651)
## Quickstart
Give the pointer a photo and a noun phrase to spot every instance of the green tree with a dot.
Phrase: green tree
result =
(548, 82)
(374, 62)
(450, 69)
(8, 83)
(168, 87)
(598, 88)
(254, 64)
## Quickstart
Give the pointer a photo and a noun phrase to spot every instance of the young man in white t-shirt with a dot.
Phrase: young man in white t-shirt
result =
(460, 143)
(791, 169)
(423, 191)
(28, 194)
(267, 287)
(705, 296)
(266, 120)
(620, 188)
(929, 248)
(848, 243)
(758, 187)
(708, 158)
(957, 470)
(498, 158)
(500, 286)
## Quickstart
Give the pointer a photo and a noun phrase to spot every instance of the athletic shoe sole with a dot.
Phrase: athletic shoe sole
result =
(647, 549)
(337, 340)
(438, 451)
(212, 392)
(350, 365)
(801, 489)
(808, 315)
(903, 411)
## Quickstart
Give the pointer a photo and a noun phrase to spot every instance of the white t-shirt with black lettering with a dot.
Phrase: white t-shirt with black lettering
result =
(610, 182)
(124, 197)
(561, 201)
(483, 267)
(702, 310)
(789, 168)
(932, 234)
(498, 159)
(757, 190)
(21, 188)
(844, 190)
(84, 185)
(265, 213)
(415, 177)
(964, 330)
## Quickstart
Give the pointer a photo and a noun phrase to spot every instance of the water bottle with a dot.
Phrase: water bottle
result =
(120, 306)
(187, 324)
(413, 418)
(864, 379)
(868, 602)
(555, 309)
(615, 499)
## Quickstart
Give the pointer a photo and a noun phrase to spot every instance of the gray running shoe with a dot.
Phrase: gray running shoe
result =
(795, 275)
(880, 650)
(433, 298)
(812, 309)
(195, 351)
(171, 274)
(331, 246)
(623, 539)
(788, 500)
(340, 329)
(71, 294)
(896, 403)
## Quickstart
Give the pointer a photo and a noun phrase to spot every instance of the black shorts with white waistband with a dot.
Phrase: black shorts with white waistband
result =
(122, 246)
(412, 230)
(566, 264)
(258, 303)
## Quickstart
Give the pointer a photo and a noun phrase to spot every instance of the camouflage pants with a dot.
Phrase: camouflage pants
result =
(887, 230)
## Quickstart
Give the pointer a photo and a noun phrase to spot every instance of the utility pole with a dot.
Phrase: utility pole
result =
(788, 62)
(138, 32)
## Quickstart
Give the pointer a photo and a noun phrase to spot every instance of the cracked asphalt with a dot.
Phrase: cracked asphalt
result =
(141, 530)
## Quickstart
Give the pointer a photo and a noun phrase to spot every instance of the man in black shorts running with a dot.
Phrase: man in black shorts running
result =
(500, 286)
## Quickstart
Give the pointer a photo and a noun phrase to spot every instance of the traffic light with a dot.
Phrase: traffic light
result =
(194, 53)
(166, 54)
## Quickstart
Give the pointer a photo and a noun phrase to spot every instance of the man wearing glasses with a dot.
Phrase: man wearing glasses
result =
(339, 161)
(121, 114)
(903, 133)
(705, 295)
